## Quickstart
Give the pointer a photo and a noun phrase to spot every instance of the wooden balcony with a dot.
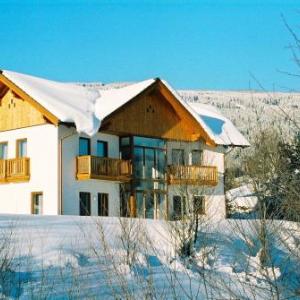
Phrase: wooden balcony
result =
(193, 175)
(15, 170)
(93, 167)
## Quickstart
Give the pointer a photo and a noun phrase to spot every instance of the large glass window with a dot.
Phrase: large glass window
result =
(148, 156)
(3, 150)
(178, 157)
(160, 163)
(36, 203)
(84, 204)
(84, 146)
(160, 206)
(21, 148)
(197, 157)
(139, 196)
(149, 142)
(102, 149)
(149, 206)
(149, 163)
(138, 162)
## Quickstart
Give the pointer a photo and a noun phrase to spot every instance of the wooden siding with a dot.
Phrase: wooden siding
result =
(154, 114)
(17, 113)
(93, 167)
(15, 170)
(193, 175)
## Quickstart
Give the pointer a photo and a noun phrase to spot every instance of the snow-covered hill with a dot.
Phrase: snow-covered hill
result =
(249, 109)
(66, 257)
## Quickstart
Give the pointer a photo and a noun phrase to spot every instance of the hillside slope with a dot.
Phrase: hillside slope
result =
(66, 257)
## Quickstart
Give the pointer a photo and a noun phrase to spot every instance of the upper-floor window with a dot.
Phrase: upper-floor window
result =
(102, 149)
(3, 150)
(197, 157)
(84, 146)
(21, 150)
(178, 157)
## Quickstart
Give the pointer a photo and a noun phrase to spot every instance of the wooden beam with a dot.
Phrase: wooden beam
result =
(18, 91)
(185, 114)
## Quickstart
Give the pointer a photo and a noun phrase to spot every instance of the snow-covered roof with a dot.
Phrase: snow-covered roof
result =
(221, 128)
(87, 105)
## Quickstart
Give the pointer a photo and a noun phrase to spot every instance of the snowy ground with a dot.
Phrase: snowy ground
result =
(65, 257)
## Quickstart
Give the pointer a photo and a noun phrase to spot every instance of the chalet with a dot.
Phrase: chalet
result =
(139, 150)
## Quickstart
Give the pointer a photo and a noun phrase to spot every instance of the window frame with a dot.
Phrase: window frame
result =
(105, 143)
(178, 163)
(200, 152)
(200, 210)
(18, 142)
(33, 195)
(100, 206)
(4, 143)
(88, 209)
(89, 145)
(183, 207)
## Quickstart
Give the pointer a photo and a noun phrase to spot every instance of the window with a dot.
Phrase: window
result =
(36, 203)
(197, 157)
(178, 157)
(84, 146)
(102, 204)
(21, 148)
(3, 150)
(85, 204)
(102, 149)
(199, 205)
(179, 207)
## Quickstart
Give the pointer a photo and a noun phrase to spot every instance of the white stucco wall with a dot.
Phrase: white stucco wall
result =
(214, 196)
(72, 187)
(42, 149)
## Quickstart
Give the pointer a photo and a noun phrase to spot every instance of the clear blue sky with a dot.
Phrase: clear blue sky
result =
(193, 44)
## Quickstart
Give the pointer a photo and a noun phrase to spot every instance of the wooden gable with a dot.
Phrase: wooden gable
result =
(17, 113)
(155, 113)
(19, 110)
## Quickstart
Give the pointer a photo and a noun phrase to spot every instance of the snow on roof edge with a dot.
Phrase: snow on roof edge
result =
(86, 107)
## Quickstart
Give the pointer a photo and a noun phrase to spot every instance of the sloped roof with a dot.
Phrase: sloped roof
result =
(86, 106)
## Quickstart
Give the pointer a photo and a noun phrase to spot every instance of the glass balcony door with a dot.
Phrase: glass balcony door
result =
(151, 204)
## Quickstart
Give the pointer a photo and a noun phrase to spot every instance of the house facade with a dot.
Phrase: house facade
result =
(138, 150)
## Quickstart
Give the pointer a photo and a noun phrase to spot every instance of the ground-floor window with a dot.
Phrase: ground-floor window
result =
(179, 207)
(37, 203)
(199, 205)
(85, 204)
(102, 204)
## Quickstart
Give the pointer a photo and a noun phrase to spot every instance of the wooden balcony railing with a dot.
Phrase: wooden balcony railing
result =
(93, 167)
(193, 175)
(15, 170)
